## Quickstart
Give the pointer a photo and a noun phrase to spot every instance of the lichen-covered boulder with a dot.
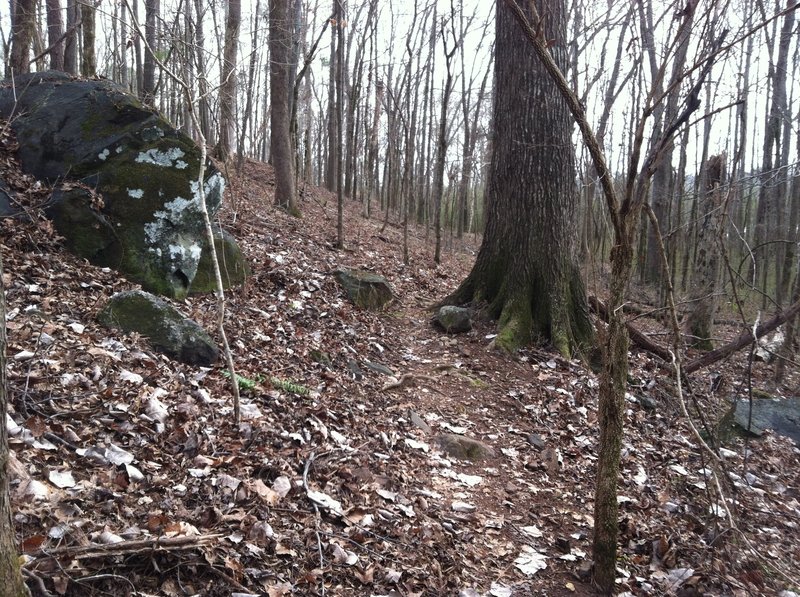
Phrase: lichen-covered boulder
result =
(165, 328)
(453, 320)
(139, 211)
(232, 265)
(366, 289)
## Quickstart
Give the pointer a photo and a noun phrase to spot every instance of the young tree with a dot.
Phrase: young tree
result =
(11, 584)
(526, 267)
(280, 88)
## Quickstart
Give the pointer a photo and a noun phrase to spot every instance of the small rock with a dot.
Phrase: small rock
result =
(584, 570)
(419, 422)
(463, 507)
(463, 447)
(378, 368)
(453, 320)
(647, 402)
(563, 544)
(355, 370)
(536, 441)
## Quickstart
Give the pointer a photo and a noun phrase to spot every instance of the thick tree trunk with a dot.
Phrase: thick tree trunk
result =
(88, 56)
(280, 86)
(526, 268)
(71, 39)
(22, 29)
(227, 90)
(700, 322)
(11, 584)
(148, 90)
(55, 34)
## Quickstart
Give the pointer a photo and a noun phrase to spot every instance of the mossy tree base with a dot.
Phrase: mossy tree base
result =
(531, 310)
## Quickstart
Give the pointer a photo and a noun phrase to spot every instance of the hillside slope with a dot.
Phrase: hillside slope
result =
(131, 478)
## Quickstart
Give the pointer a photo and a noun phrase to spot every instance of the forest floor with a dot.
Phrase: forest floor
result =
(129, 477)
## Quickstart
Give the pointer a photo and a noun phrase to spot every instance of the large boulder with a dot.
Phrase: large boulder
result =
(165, 328)
(131, 200)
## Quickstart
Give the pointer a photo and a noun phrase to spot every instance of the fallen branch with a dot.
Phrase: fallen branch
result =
(126, 547)
(745, 339)
(642, 341)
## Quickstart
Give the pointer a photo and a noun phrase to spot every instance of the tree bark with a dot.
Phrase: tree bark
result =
(526, 268)
(151, 14)
(700, 320)
(280, 88)
(11, 584)
(88, 56)
(71, 39)
(22, 28)
(227, 91)
(55, 34)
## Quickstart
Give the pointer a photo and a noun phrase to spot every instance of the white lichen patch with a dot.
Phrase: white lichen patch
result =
(181, 165)
(165, 159)
(195, 251)
(135, 193)
(104, 154)
(173, 213)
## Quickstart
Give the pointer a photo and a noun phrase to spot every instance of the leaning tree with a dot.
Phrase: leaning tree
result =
(526, 270)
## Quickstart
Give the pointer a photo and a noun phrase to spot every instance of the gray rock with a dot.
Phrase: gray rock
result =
(780, 415)
(355, 370)
(536, 441)
(453, 320)
(165, 328)
(366, 290)
(463, 447)
(419, 422)
(232, 264)
(142, 216)
(378, 368)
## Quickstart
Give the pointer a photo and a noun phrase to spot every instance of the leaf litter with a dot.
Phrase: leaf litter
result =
(129, 473)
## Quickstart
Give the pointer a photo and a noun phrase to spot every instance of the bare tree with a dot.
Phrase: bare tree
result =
(280, 88)
(55, 34)
(152, 10)
(23, 26)
(441, 138)
(88, 55)
(227, 91)
(702, 298)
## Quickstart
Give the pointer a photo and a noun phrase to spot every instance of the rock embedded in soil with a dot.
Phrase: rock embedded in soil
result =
(453, 320)
(164, 327)
(464, 447)
(366, 290)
